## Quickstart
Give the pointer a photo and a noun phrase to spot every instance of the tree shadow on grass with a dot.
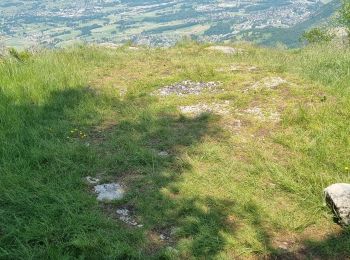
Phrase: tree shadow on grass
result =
(333, 247)
(47, 211)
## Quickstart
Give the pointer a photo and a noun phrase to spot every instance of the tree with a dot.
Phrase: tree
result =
(317, 35)
(345, 14)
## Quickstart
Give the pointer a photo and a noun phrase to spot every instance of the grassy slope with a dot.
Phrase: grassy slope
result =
(222, 193)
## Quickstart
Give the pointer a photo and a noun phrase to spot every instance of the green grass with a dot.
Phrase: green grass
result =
(222, 193)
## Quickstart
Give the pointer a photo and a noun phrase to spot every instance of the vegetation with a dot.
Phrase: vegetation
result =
(345, 14)
(317, 35)
(225, 190)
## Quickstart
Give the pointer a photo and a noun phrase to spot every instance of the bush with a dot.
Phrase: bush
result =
(345, 14)
(317, 35)
(19, 55)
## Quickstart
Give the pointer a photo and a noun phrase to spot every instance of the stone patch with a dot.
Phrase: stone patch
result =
(224, 49)
(267, 83)
(338, 198)
(258, 113)
(109, 192)
(125, 216)
(198, 109)
(188, 87)
(238, 68)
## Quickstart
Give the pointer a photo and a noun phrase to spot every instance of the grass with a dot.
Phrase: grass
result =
(223, 192)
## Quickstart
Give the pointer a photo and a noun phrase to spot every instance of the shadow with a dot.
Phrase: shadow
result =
(54, 145)
(333, 247)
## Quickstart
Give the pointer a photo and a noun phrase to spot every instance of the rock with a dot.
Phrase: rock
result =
(267, 83)
(92, 180)
(224, 49)
(258, 113)
(198, 109)
(109, 192)
(124, 215)
(163, 154)
(110, 45)
(238, 68)
(188, 87)
(338, 198)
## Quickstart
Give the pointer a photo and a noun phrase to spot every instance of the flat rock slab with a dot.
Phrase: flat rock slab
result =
(258, 113)
(198, 109)
(338, 198)
(238, 68)
(268, 83)
(188, 87)
(224, 49)
(109, 192)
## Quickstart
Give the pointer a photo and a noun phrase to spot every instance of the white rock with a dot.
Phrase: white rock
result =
(224, 49)
(338, 197)
(267, 83)
(163, 154)
(92, 180)
(109, 192)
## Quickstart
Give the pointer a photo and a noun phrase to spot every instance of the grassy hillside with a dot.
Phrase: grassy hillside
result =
(243, 184)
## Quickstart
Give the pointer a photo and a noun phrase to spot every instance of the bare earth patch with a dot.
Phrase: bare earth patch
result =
(188, 87)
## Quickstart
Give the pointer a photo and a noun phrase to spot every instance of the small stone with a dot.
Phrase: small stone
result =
(109, 192)
(338, 198)
(92, 180)
(163, 154)
(124, 215)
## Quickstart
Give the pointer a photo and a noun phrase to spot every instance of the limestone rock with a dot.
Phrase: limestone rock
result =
(224, 49)
(198, 109)
(92, 180)
(267, 83)
(188, 87)
(338, 198)
(109, 192)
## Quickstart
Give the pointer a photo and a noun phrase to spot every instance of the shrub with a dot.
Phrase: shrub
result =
(317, 35)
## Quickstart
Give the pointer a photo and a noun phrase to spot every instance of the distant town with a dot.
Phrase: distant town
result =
(60, 23)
